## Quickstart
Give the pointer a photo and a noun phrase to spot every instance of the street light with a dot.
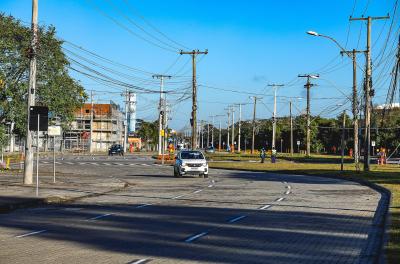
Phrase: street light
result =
(315, 34)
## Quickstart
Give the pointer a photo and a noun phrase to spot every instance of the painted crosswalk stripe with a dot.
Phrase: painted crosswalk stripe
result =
(237, 219)
(32, 233)
(192, 238)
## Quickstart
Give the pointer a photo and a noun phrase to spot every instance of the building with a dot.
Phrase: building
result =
(107, 126)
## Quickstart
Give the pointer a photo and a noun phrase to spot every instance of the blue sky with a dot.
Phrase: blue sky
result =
(250, 43)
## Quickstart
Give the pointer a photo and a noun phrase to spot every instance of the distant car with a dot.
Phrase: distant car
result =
(116, 149)
(210, 150)
(190, 162)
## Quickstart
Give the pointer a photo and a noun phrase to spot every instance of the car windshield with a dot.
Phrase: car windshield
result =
(191, 155)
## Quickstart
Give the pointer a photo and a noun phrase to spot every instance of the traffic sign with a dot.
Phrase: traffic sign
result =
(43, 113)
(373, 143)
(54, 131)
(298, 142)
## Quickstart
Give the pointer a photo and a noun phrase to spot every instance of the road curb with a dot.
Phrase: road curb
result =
(375, 248)
(52, 200)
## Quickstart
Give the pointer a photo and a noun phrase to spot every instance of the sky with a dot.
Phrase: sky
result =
(250, 44)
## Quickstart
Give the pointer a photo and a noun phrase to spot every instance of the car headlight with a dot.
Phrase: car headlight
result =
(204, 164)
(183, 163)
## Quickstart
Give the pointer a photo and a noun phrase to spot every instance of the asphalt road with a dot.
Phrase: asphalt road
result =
(231, 217)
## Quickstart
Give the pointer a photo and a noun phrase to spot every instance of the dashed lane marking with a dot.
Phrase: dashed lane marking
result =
(179, 196)
(140, 261)
(99, 216)
(237, 218)
(192, 238)
(197, 191)
(265, 207)
(287, 192)
(31, 233)
(280, 199)
(143, 205)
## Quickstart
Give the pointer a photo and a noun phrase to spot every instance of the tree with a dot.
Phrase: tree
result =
(55, 88)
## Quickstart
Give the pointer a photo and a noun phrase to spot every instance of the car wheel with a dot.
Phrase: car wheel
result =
(175, 172)
(205, 175)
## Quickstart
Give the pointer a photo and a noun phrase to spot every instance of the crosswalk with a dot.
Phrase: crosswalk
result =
(101, 163)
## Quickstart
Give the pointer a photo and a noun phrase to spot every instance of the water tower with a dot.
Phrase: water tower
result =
(132, 113)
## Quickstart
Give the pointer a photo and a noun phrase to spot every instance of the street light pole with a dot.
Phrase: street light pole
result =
(275, 86)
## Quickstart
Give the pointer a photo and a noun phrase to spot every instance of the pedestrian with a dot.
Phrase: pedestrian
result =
(273, 156)
(262, 155)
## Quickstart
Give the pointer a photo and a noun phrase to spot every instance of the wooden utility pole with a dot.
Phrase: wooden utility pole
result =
(353, 55)
(275, 86)
(308, 85)
(28, 163)
(343, 141)
(161, 113)
(369, 92)
(194, 53)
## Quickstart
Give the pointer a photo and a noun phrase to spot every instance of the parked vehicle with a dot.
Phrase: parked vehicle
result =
(116, 149)
(190, 162)
(210, 150)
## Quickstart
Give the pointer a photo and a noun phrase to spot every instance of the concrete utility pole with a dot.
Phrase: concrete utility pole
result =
(369, 92)
(227, 129)
(353, 55)
(212, 129)
(275, 86)
(308, 85)
(28, 163)
(343, 142)
(194, 53)
(160, 108)
(240, 126)
(208, 134)
(220, 136)
(127, 93)
(233, 130)
(91, 123)
(254, 122)
(291, 128)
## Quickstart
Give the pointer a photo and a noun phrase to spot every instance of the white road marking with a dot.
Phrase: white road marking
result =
(143, 205)
(99, 216)
(57, 162)
(93, 163)
(289, 187)
(45, 162)
(119, 164)
(285, 182)
(73, 209)
(210, 186)
(70, 163)
(237, 218)
(280, 199)
(31, 233)
(265, 207)
(179, 196)
(192, 238)
(107, 164)
(197, 191)
(287, 192)
(138, 261)
(144, 164)
(82, 163)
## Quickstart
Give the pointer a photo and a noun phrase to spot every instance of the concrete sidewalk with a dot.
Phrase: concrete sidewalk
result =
(68, 187)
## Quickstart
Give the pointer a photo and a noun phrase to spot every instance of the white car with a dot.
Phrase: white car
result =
(190, 162)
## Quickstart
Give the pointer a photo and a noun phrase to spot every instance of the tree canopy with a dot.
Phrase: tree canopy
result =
(55, 87)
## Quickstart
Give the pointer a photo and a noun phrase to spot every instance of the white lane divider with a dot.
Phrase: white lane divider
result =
(140, 261)
(192, 238)
(237, 219)
(265, 207)
(197, 191)
(99, 216)
(143, 205)
(32, 233)
(280, 199)
(179, 196)
(287, 192)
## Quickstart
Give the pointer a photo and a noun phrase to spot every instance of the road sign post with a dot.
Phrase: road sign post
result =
(54, 131)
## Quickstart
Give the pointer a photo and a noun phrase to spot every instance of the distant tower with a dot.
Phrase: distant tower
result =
(132, 113)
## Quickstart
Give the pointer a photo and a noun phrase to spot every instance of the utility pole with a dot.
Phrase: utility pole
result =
(91, 122)
(227, 129)
(254, 122)
(220, 136)
(233, 130)
(291, 128)
(353, 55)
(28, 163)
(275, 86)
(240, 126)
(160, 109)
(127, 93)
(308, 85)
(369, 92)
(208, 134)
(343, 142)
(194, 53)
